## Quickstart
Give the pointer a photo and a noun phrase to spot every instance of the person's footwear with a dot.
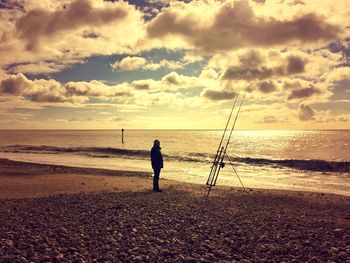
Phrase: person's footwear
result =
(158, 190)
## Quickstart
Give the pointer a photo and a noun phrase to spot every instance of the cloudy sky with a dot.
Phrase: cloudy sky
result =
(157, 64)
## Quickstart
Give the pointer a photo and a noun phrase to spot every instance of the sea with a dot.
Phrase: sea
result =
(269, 159)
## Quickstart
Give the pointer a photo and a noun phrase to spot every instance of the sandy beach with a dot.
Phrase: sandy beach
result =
(61, 214)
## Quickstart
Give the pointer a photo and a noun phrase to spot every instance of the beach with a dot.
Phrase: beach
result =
(52, 213)
(319, 161)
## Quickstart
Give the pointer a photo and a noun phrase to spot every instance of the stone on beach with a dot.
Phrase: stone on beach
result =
(175, 226)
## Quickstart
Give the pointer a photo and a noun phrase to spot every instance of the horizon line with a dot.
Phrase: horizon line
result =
(149, 129)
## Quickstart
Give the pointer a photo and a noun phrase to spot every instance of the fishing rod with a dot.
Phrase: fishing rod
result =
(234, 123)
(219, 158)
(214, 166)
(228, 141)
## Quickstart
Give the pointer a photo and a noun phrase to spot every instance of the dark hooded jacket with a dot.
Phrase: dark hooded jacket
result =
(156, 157)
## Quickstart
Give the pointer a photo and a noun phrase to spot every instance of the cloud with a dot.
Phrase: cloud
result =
(93, 88)
(10, 4)
(129, 63)
(40, 23)
(251, 58)
(270, 119)
(343, 119)
(172, 79)
(304, 93)
(52, 91)
(172, 82)
(306, 113)
(294, 65)
(118, 119)
(301, 89)
(292, 84)
(134, 63)
(267, 86)
(338, 74)
(14, 85)
(233, 25)
(144, 84)
(215, 95)
(172, 64)
(247, 73)
(41, 67)
(290, 66)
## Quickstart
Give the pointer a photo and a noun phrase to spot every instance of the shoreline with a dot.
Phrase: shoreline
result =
(12, 172)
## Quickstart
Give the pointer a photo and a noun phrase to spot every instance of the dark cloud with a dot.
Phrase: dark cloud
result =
(12, 4)
(90, 35)
(14, 85)
(172, 79)
(219, 94)
(304, 93)
(236, 25)
(296, 2)
(267, 86)
(260, 1)
(141, 86)
(39, 23)
(306, 113)
(291, 66)
(122, 94)
(251, 58)
(342, 46)
(295, 65)
(247, 74)
(81, 89)
(47, 96)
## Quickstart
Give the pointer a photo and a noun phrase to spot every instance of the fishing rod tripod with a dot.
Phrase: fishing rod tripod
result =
(221, 153)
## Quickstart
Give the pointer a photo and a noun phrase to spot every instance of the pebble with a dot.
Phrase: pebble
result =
(9, 242)
(143, 227)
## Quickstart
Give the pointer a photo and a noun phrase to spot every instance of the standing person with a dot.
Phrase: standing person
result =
(157, 164)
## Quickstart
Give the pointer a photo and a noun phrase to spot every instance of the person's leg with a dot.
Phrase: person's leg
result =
(156, 179)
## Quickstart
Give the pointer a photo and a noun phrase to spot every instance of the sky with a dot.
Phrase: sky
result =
(160, 64)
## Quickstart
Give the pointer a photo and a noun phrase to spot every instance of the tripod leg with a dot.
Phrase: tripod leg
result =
(229, 159)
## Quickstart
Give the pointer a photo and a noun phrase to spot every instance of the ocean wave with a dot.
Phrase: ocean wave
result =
(309, 165)
(109, 152)
(97, 151)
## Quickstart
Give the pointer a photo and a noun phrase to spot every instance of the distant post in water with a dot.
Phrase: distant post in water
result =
(122, 135)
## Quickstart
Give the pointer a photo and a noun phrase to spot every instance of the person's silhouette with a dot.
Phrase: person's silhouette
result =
(157, 164)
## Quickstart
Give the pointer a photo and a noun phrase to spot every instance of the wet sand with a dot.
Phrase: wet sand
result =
(54, 213)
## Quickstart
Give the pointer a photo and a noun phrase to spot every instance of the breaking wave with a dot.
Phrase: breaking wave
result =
(108, 152)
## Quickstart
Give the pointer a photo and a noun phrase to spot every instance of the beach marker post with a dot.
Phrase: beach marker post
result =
(122, 135)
